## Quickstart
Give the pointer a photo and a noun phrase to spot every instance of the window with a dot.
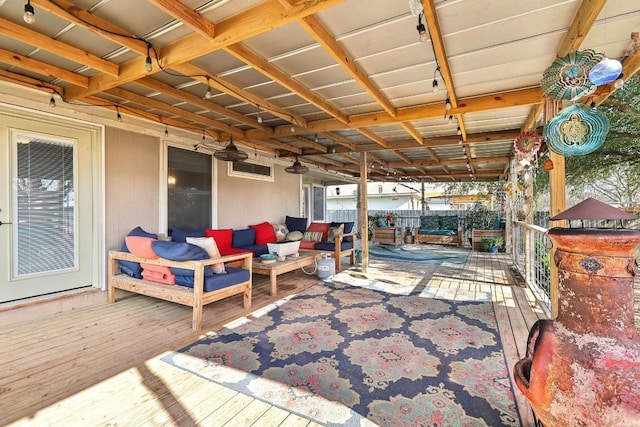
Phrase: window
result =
(189, 195)
(251, 169)
(319, 203)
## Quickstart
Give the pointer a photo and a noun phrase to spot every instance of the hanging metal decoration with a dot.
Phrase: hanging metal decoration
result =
(576, 130)
(568, 77)
(527, 143)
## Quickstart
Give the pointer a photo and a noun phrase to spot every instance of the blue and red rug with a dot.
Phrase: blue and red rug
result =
(340, 355)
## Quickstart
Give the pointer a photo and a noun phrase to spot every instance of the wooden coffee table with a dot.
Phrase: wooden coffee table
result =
(279, 267)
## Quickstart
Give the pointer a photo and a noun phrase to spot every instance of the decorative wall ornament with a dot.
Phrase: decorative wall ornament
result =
(527, 143)
(568, 77)
(576, 130)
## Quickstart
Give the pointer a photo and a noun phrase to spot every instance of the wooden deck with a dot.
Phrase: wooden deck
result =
(100, 366)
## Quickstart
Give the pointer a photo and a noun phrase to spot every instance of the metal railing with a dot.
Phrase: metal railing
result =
(531, 255)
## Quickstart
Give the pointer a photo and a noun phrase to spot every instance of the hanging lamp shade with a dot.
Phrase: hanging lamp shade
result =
(605, 71)
(568, 77)
(297, 168)
(230, 153)
(576, 130)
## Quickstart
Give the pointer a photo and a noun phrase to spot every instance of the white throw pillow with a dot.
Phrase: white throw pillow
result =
(209, 245)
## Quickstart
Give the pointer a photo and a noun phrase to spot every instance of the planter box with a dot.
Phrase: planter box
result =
(477, 235)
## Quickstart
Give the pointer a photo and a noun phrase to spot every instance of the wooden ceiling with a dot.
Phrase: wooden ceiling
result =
(325, 80)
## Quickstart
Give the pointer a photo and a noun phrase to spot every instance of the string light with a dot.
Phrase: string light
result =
(52, 102)
(422, 31)
(316, 139)
(118, 115)
(460, 141)
(166, 131)
(447, 104)
(259, 118)
(148, 65)
(208, 94)
(293, 129)
(450, 119)
(29, 13)
(459, 131)
(435, 80)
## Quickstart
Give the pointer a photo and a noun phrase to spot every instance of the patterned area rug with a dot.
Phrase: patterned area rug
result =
(346, 356)
(424, 253)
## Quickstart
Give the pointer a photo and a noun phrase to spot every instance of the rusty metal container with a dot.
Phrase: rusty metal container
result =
(583, 368)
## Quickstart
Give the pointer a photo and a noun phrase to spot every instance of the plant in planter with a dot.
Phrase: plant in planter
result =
(492, 244)
(480, 217)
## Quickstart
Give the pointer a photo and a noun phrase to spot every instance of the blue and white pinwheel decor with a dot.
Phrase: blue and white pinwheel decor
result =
(568, 77)
(576, 130)
(605, 71)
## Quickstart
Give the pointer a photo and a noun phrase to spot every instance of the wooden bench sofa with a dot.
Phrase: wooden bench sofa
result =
(194, 297)
(441, 229)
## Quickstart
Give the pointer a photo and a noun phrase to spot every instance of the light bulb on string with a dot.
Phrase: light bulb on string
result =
(148, 65)
(29, 13)
(450, 119)
(52, 102)
(118, 115)
(447, 104)
(208, 94)
(459, 131)
(435, 86)
(166, 131)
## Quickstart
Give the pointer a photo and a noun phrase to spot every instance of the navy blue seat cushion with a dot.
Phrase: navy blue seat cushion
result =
(218, 281)
(208, 271)
(180, 234)
(330, 246)
(176, 251)
(243, 238)
(131, 268)
(295, 224)
(257, 249)
(348, 228)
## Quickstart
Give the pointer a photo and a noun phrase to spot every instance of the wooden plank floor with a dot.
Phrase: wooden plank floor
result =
(100, 366)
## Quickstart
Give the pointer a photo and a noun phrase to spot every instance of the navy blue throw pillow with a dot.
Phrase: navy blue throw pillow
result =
(181, 234)
(296, 224)
(176, 251)
(244, 237)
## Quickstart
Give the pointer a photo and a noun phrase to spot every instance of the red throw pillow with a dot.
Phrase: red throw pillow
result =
(223, 237)
(264, 233)
(322, 227)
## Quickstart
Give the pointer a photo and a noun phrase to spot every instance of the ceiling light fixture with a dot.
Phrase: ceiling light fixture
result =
(230, 153)
(422, 31)
(29, 13)
(148, 65)
(296, 168)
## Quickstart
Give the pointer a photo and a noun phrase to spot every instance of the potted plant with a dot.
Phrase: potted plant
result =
(480, 217)
(492, 244)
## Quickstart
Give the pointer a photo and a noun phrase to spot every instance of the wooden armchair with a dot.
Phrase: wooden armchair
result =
(388, 235)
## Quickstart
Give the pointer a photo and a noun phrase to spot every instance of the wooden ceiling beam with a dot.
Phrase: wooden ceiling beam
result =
(42, 68)
(413, 132)
(80, 17)
(341, 140)
(278, 144)
(324, 38)
(187, 16)
(156, 85)
(33, 38)
(261, 64)
(251, 22)
(161, 106)
(237, 92)
(25, 81)
(315, 145)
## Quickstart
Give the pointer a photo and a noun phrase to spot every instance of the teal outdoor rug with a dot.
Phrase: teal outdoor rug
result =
(419, 253)
(344, 356)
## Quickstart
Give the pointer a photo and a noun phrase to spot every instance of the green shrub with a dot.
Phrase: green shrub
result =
(489, 242)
